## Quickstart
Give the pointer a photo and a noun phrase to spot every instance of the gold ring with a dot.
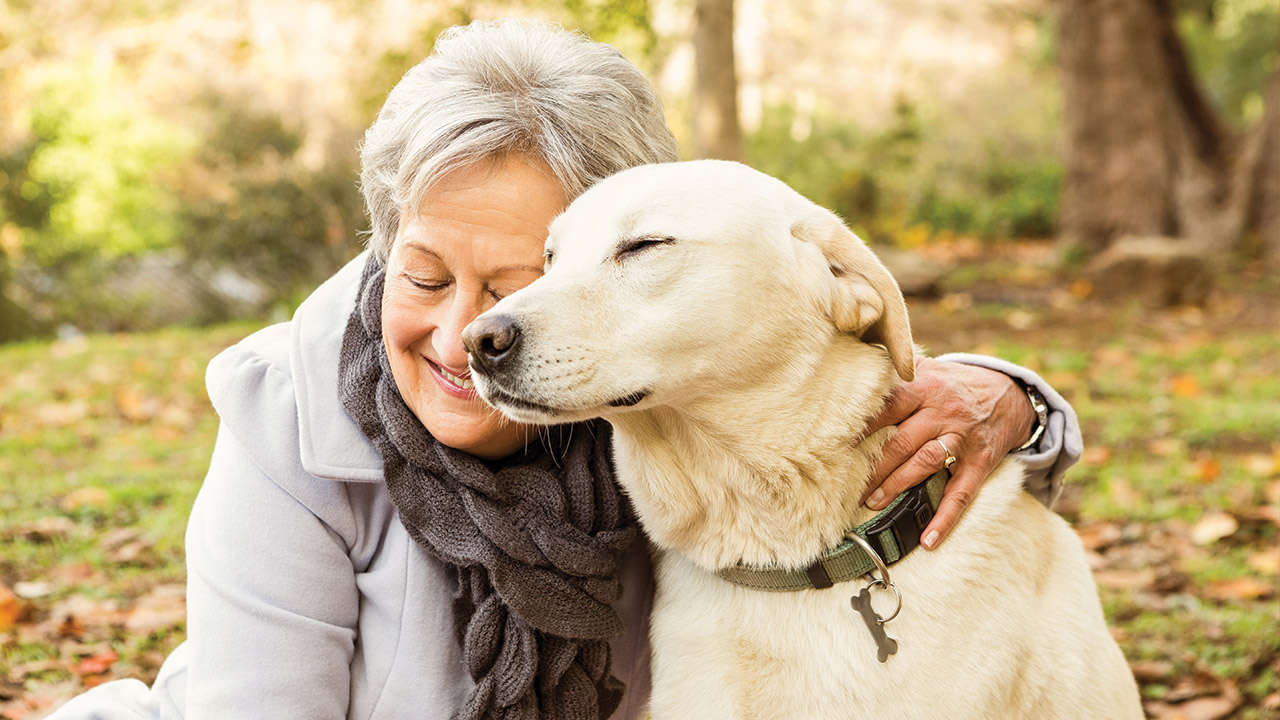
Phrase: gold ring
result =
(951, 459)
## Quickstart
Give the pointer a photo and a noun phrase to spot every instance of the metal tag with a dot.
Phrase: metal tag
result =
(885, 645)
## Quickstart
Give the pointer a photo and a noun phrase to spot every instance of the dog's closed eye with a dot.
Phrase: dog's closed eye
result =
(637, 245)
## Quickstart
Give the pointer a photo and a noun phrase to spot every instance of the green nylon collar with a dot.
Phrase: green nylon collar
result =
(893, 532)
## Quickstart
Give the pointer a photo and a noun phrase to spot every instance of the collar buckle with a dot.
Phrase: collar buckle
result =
(905, 522)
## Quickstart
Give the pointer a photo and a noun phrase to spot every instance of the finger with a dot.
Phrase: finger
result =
(910, 434)
(902, 403)
(960, 492)
(927, 458)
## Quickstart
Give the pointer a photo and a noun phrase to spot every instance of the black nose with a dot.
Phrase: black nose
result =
(491, 340)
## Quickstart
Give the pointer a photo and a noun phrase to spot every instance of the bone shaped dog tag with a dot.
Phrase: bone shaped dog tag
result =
(862, 603)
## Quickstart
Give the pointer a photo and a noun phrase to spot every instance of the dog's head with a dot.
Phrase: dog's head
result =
(666, 280)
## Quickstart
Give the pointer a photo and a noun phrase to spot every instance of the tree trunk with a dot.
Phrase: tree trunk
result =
(1145, 153)
(717, 132)
(1264, 201)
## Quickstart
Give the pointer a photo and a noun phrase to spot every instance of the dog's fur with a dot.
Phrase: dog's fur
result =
(737, 355)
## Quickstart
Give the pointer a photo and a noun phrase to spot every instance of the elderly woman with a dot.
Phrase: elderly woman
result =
(372, 541)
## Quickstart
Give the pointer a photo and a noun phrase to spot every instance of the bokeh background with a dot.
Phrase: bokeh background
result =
(1087, 187)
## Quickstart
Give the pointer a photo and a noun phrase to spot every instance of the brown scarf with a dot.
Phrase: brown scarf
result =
(535, 541)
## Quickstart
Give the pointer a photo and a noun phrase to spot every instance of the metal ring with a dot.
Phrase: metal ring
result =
(884, 580)
(875, 558)
(897, 596)
(951, 459)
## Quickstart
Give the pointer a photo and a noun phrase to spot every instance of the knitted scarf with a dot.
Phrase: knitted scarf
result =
(535, 544)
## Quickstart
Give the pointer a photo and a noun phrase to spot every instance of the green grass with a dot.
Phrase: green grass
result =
(1175, 417)
(125, 416)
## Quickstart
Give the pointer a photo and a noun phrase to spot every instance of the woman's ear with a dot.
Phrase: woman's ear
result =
(865, 299)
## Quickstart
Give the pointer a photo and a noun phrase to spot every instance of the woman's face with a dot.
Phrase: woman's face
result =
(478, 237)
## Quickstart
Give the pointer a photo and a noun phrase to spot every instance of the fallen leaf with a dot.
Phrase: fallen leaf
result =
(1097, 455)
(45, 529)
(1164, 446)
(1224, 700)
(32, 590)
(136, 407)
(1151, 670)
(1099, 535)
(1208, 468)
(1081, 289)
(1262, 465)
(1241, 588)
(1185, 385)
(136, 552)
(162, 608)
(96, 664)
(1214, 526)
(10, 608)
(1266, 562)
(1125, 579)
(1124, 494)
(1264, 514)
(84, 612)
(85, 497)
(1020, 320)
(70, 627)
(113, 539)
(60, 414)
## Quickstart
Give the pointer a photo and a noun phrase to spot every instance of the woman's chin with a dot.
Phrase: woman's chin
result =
(479, 430)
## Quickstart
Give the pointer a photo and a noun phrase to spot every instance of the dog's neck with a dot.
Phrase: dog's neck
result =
(766, 473)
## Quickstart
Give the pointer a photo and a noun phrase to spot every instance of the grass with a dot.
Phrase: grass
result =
(1179, 409)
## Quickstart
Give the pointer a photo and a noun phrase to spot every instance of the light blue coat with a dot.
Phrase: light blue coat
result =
(306, 597)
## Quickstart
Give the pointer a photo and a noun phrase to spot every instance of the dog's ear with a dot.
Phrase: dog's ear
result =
(865, 299)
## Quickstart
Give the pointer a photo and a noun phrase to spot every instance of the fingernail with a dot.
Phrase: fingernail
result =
(930, 539)
(876, 498)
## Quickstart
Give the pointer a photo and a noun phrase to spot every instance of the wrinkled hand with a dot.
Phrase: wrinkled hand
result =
(980, 414)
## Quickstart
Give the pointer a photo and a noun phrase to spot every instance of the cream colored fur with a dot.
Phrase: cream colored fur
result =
(744, 331)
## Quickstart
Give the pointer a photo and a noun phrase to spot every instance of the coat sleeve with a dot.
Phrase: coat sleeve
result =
(1060, 446)
(272, 599)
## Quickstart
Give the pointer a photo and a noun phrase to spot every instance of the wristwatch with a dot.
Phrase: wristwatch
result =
(1042, 416)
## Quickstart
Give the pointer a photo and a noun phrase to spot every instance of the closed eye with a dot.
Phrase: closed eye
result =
(635, 246)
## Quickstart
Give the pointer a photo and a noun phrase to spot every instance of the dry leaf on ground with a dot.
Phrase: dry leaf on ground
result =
(10, 608)
(162, 608)
(1266, 562)
(1241, 588)
(1100, 535)
(45, 529)
(1125, 579)
(1151, 670)
(1214, 526)
(85, 497)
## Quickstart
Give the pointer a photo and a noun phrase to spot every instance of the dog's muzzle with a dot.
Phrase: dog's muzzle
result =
(492, 342)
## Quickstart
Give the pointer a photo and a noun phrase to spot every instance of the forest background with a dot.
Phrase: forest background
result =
(1088, 187)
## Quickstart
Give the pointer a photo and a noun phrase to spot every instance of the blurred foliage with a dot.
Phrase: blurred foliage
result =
(906, 182)
(106, 179)
(1234, 46)
(87, 177)
(263, 212)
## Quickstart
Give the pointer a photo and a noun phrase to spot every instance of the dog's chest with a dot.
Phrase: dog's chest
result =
(725, 651)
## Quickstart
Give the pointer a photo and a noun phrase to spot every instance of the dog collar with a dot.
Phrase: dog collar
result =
(892, 533)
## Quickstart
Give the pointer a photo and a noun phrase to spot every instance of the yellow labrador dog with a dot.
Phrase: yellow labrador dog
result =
(738, 337)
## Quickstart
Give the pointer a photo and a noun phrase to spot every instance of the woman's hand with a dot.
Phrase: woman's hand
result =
(979, 414)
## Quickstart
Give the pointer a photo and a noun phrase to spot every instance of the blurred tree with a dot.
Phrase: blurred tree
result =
(1147, 152)
(717, 132)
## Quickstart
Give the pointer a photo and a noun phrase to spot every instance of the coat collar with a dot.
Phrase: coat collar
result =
(331, 443)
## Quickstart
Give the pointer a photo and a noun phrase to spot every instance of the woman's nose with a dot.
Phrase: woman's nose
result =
(448, 339)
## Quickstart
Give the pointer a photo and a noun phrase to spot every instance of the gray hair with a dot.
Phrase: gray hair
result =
(492, 89)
